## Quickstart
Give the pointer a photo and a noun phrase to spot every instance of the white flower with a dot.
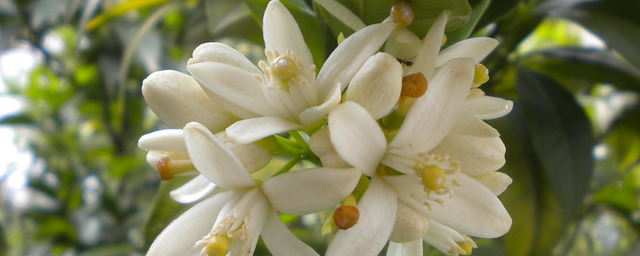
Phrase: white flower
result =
(167, 154)
(283, 94)
(425, 57)
(433, 185)
(232, 221)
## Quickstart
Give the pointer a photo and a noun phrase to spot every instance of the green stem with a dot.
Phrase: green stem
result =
(288, 165)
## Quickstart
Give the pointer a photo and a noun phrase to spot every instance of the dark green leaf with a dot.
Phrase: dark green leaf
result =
(589, 65)
(16, 119)
(616, 21)
(497, 10)
(537, 217)
(561, 137)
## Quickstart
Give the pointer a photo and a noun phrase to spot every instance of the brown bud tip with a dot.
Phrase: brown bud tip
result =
(346, 216)
(414, 85)
(164, 168)
(402, 13)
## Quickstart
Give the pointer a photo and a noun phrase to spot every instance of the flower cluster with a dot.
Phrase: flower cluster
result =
(400, 152)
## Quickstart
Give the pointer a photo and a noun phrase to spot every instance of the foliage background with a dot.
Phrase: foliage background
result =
(572, 67)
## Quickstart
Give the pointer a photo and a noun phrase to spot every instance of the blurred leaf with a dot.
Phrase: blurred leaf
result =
(536, 213)
(121, 9)
(561, 137)
(163, 211)
(310, 26)
(616, 21)
(622, 193)
(110, 250)
(590, 65)
(120, 166)
(16, 119)
(496, 11)
(55, 226)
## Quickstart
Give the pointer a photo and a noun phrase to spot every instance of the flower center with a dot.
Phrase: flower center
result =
(433, 170)
(284, 67)
(218, 246)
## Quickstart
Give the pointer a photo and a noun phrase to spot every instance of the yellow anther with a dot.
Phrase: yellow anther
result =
(340, 38)
(217, 246)
(433, 177)
(444, 40)
(466, 248)
(284, 67)
(480, 76)
(346, 216)
(168, 168)
(402, 13)
(414, 85)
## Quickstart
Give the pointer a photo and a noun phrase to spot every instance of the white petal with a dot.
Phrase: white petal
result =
(222, 53)
(321, 146)
(468, 124)
(476, 48)
(250, 130)
(342, 14)
(349, 56)
(377, 209)
(253, 156)
(497, 182)
(472, 209)
(409, 224)
(178, 99)
(413, 248)
(432, 116)
(357, 137)
(280, 241)
(310, 190)
(403, 44)
(313, 114)
(428, 53)
(282, 34)
(214, 160)
(377, 85)
(168, 140)
(180, 236)
(443, 238)
(477, 155)
(194, 190)
(488, 107)
(236, 85)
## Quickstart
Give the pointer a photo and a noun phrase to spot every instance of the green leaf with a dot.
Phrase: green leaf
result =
(588, 65)
(16, 119)
(425, 12)
(536, 213)
(615, 21)
(561, 137)
(231, 19)
(496, 11)
(163, 211)
(478, 10)
(110, 250)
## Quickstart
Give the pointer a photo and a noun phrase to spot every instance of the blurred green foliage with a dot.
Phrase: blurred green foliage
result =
(573, 138)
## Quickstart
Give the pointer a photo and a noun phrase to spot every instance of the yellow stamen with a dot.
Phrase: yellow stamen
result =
(340, 38)
(346, 216)
(284, 67)
(168, 168)
(466, 248)
(433, 177)
(218, 246)
(414, 85)
(444, 40)
(402, 13)
(480, 76)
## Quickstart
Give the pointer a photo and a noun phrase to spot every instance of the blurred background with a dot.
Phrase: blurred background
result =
(73, 182)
